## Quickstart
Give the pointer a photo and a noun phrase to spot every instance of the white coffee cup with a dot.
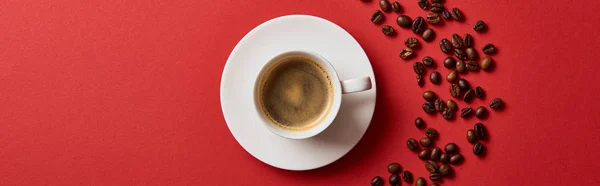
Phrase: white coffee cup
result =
(339, 87)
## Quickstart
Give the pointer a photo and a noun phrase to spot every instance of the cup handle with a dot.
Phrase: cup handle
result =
(356, 85)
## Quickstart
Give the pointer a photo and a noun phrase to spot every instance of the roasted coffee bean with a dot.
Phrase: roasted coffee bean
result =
(448, 114)
(428, 35)
(489, 49)
(412, 144)
(445, 170)
(377, 181)
(469, 96)
(419, 68)
(411, 42)
(478, 149)
(423, 4)
(464, 85)
(461, 67)
(487, 63)
(433, 18)
(446, 15)
(496, 104)
(437, 7)
(418, 25)
(394, 168)
(460, 54)
(404, 21)
(434, 184)
(394, 179)
(396, 7)
(479, 26)
(377, 17)
(424, 154)
(429, 95)
(456, 159)
(451, 148)
(426, 142)
(480, 131)
(435, 176)
(435, 77)
(444, 158)
(471, 53)
(440, 105)
(452, 105)
(431, 166)
(445, 46)
(420, 182)
(471, 136)
(457, 41)
(432, 133)
(406, 53)
(388, 30)
(420, 123)
(456, 14)
(449, 62)
(468, 41)
(420, 80)
(481, 112)
(435, 154)
(452, 76)
(454, 90)
(385, 5)
(466, 112)
(479, 92)
(407, 176)
(428, 61)
(472, 65)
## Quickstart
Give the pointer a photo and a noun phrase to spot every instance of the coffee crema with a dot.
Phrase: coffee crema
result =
(296, 94)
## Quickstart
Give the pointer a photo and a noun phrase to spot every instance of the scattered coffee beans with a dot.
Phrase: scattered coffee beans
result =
(428, 35)
(418, 25)
(446, 15)
(424, 154)
(452, 76)
(451, 148)
(377, 17)
(420, 80)
(445, 158)
(420, 123)
(481, 112)
(406, 53)
(407, 176)
(437, 7)
(394, 168)
(448, 114)
(396, 7)
(435, 77)
(457, 42)
(429, 96)
(426, 142)
(454, 90)
(411, 42)
(420, 182)
(449, 62)
(479, 92)
(469, 96)
(464, 85)
(468, 41)
(388, 30)
(479, 26)
(487, 63)
(385, 5)
(433, 18)
(412, 144)
(456, 159)
(428, 61)
(435, 154)
(419, 68)
(489, 49)
(478, 149)
(424, 4)
(435, 176)
(445, 45)
(431, 166)
(472, 65)
(480, 131)
(466, 112)
(431, 132)
(445, 170)
(440, 105)
(377, 181)
(452, 105)
(471, 136)
(394, 179)
(461, 67)
(456, 14)
(496, 104)
(460, 54)
(471, 53)
(404, 21)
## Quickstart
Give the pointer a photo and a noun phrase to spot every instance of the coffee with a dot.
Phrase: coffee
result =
(296, 94)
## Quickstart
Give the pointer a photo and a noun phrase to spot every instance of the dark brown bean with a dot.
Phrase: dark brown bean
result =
(411, 42)
(404, 21)
(452, 76)
(480, 131)
(487, 63)
(464, 85)
(440, 105)
(428, 107)
(407, 176)
(451, 148)
(460, 54)
(452, 105)
(406, 53)
(377, 17)
(435, 154)
(447, 114)
(471, 53)
(461, 67)
(426, 142)
(466, 112)
(456, 159)
(394, 179)
(471, 136)
(481, 112)
(385, 5)
(377, 181)
(478, 149)
(388, 30)
(425, 154)
(433, 18)
(446, 46)
(489, 49)
(471, 65)
(446, 15)
(454, 90)
(394, 168)
(420, 123)
(445, 158)
(423, 4)
(428, 61)
(412, 144)
(468, 41)
(435, 176)
(445, 170)
(456, 14)
(396, 7)
(418, 25)
(420, 80)
(429, 95)
(479, 26)
(435, 77)
(479, 92)
(437, 7)
(457, 41)
(431, 166)
(420, 182)
(419, 68)
(431, 132)
(449, 62)
(469, 96)
(497, 104)
(428, 35)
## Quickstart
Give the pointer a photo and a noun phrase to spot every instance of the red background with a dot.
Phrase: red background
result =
(127, 93)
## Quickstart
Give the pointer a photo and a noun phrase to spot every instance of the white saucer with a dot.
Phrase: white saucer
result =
(282, 34)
